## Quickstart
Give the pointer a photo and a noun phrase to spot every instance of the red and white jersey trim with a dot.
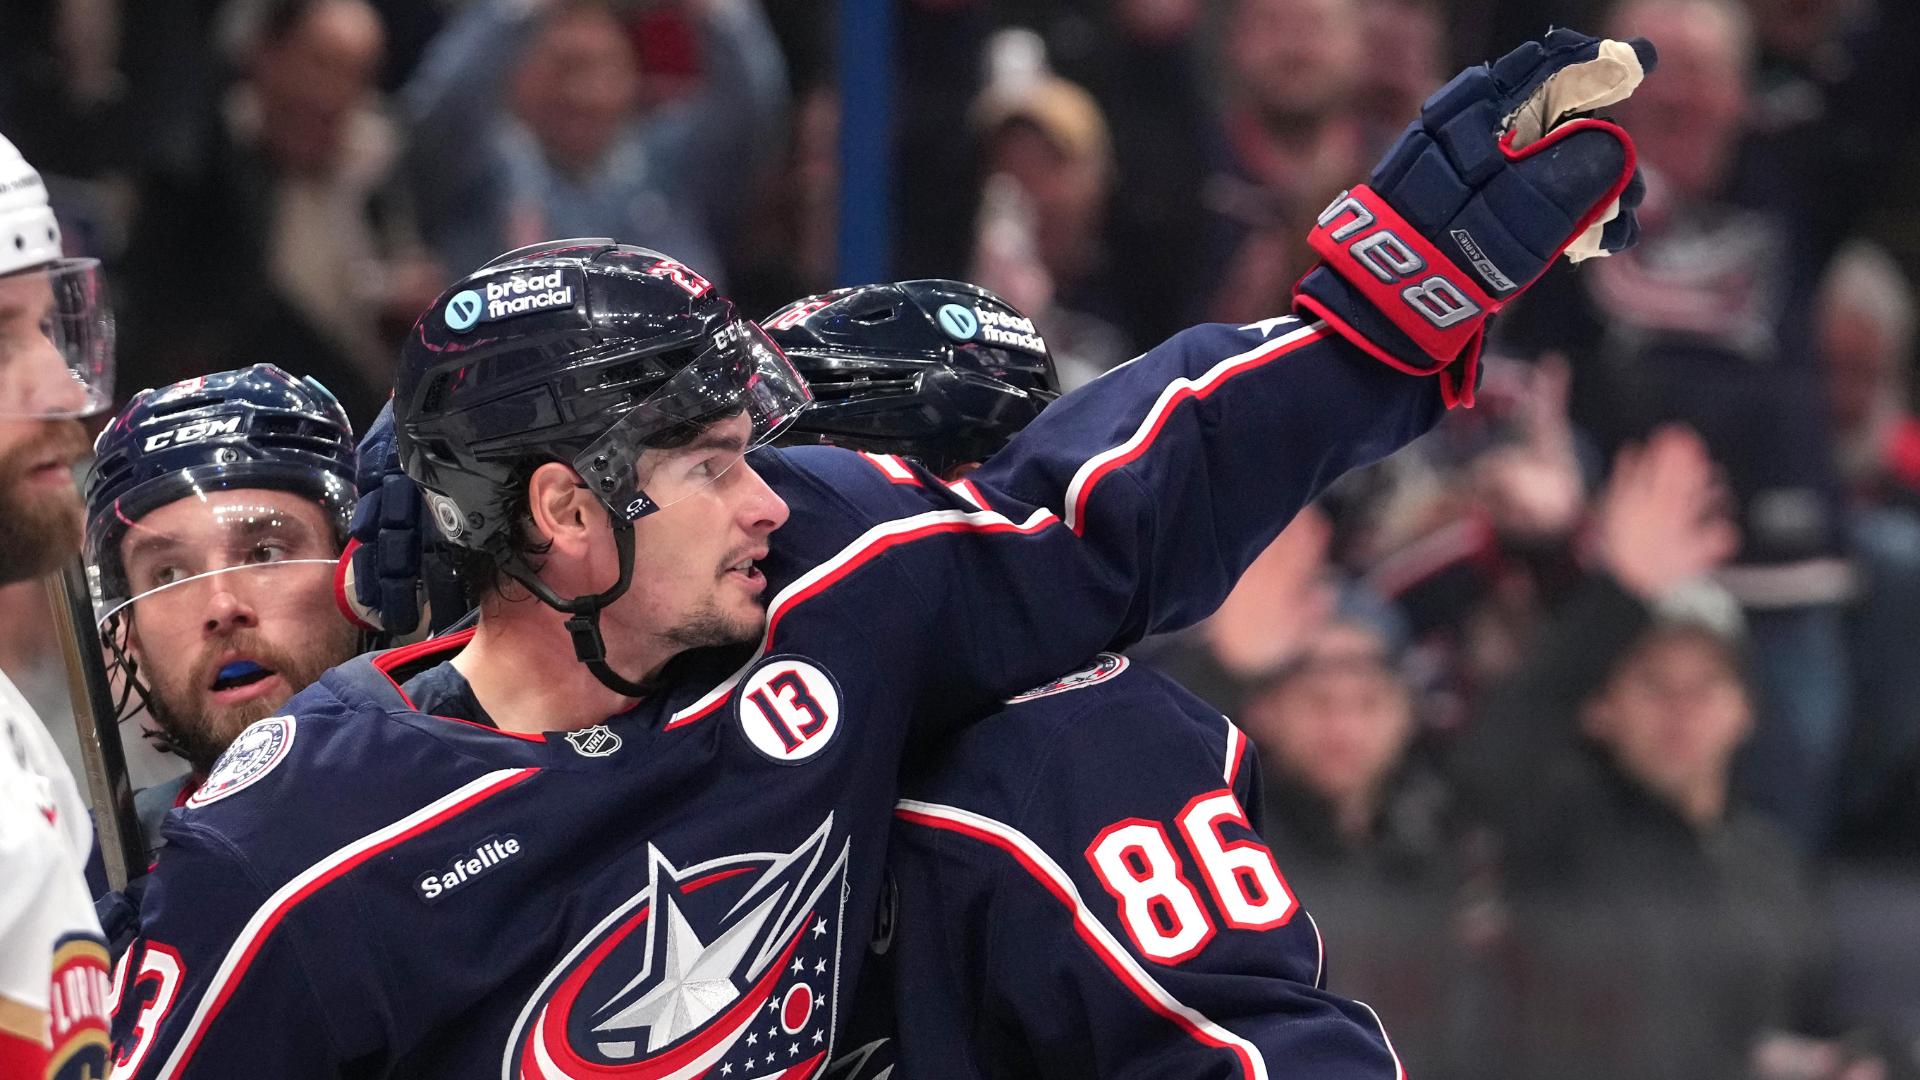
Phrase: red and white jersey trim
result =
(1098, 466)
(1399, 1070)
(226, 979)
(1091, 930)
(890, 465)
(1320, 959)
(1236, 749)
(881, 537)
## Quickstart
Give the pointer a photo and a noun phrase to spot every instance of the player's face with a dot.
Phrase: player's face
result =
(230, 622)
(40, 510)
(694, 579)
(1674, 713)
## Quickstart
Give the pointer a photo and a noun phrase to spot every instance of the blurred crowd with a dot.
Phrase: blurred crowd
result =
(1590, 728)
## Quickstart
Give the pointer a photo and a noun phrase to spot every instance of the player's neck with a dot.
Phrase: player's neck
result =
(523, 672)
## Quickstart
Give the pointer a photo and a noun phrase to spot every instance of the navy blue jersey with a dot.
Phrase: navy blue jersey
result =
(362, 888)
(1074, 889)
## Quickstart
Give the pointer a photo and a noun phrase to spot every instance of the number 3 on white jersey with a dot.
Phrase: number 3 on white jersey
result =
(1159, 908)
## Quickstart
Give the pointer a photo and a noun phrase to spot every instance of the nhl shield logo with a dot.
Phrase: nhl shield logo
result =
(596, 741)
(726, 968)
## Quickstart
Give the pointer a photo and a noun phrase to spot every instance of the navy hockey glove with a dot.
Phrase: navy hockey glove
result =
(1501, 173)
(394, 575)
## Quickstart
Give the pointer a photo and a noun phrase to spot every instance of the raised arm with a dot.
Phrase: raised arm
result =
(1133, 504)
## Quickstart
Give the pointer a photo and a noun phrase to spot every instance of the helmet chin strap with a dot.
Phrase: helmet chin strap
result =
(583, 623)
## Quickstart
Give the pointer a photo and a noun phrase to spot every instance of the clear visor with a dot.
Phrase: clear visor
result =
(171, 570)
(56, 341)
(737, 396)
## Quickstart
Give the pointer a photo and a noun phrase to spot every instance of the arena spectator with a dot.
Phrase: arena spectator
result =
(1471, 534)
(1363, 826)
(1282, 599)
(281, 240)
(1286, 142)
(1145, 63)
(1866, 315)
(1866, 323)
(1662, 928)
(1049, 166)
(1407, 50)
(527, 125)
(1709, 322)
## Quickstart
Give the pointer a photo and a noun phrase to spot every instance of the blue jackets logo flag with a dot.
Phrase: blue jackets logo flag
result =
(727, 969)
(251, 756)
(1104, 667)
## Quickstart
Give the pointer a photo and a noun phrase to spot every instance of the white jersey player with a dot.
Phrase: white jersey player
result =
(56, 349)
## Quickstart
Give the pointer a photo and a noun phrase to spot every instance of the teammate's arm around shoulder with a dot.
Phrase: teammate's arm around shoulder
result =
(224, 980)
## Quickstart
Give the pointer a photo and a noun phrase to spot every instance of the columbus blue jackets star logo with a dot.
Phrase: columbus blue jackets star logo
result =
(701, 974)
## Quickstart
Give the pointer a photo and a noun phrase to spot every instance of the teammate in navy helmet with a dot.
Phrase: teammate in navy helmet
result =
(1031, 925)
(216, 508)
(633, 824)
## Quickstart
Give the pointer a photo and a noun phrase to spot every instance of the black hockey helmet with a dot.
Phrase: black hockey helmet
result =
(941, 371)
(604, 356)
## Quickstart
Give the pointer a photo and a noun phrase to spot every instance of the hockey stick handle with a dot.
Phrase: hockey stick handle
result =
(123, 848)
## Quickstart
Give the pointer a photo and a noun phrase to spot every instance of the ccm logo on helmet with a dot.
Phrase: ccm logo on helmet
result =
(194, 432)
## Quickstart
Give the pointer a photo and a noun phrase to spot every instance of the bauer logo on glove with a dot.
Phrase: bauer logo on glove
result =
(1502, 173)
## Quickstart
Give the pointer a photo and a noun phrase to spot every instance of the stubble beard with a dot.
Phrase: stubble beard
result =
(200, 733)
(709, 626)
(40, 528)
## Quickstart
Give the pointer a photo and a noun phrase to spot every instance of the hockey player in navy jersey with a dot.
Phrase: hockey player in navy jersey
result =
(216, 509)
(633, 824)
(1074, 888)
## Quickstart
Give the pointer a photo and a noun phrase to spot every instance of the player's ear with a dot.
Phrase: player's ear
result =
(564, 512)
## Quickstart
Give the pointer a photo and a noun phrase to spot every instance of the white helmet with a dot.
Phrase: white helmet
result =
(56, 327)
(28, 234)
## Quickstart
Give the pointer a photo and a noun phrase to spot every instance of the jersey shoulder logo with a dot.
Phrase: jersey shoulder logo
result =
(596, 741)
(77, 1008)
(1105, 666)
(251, 756)
(789, 708)
(726, 968)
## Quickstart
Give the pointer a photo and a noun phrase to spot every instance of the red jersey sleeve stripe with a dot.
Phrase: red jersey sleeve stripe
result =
(226, 979)
(1097, 467)
(1116, 958)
